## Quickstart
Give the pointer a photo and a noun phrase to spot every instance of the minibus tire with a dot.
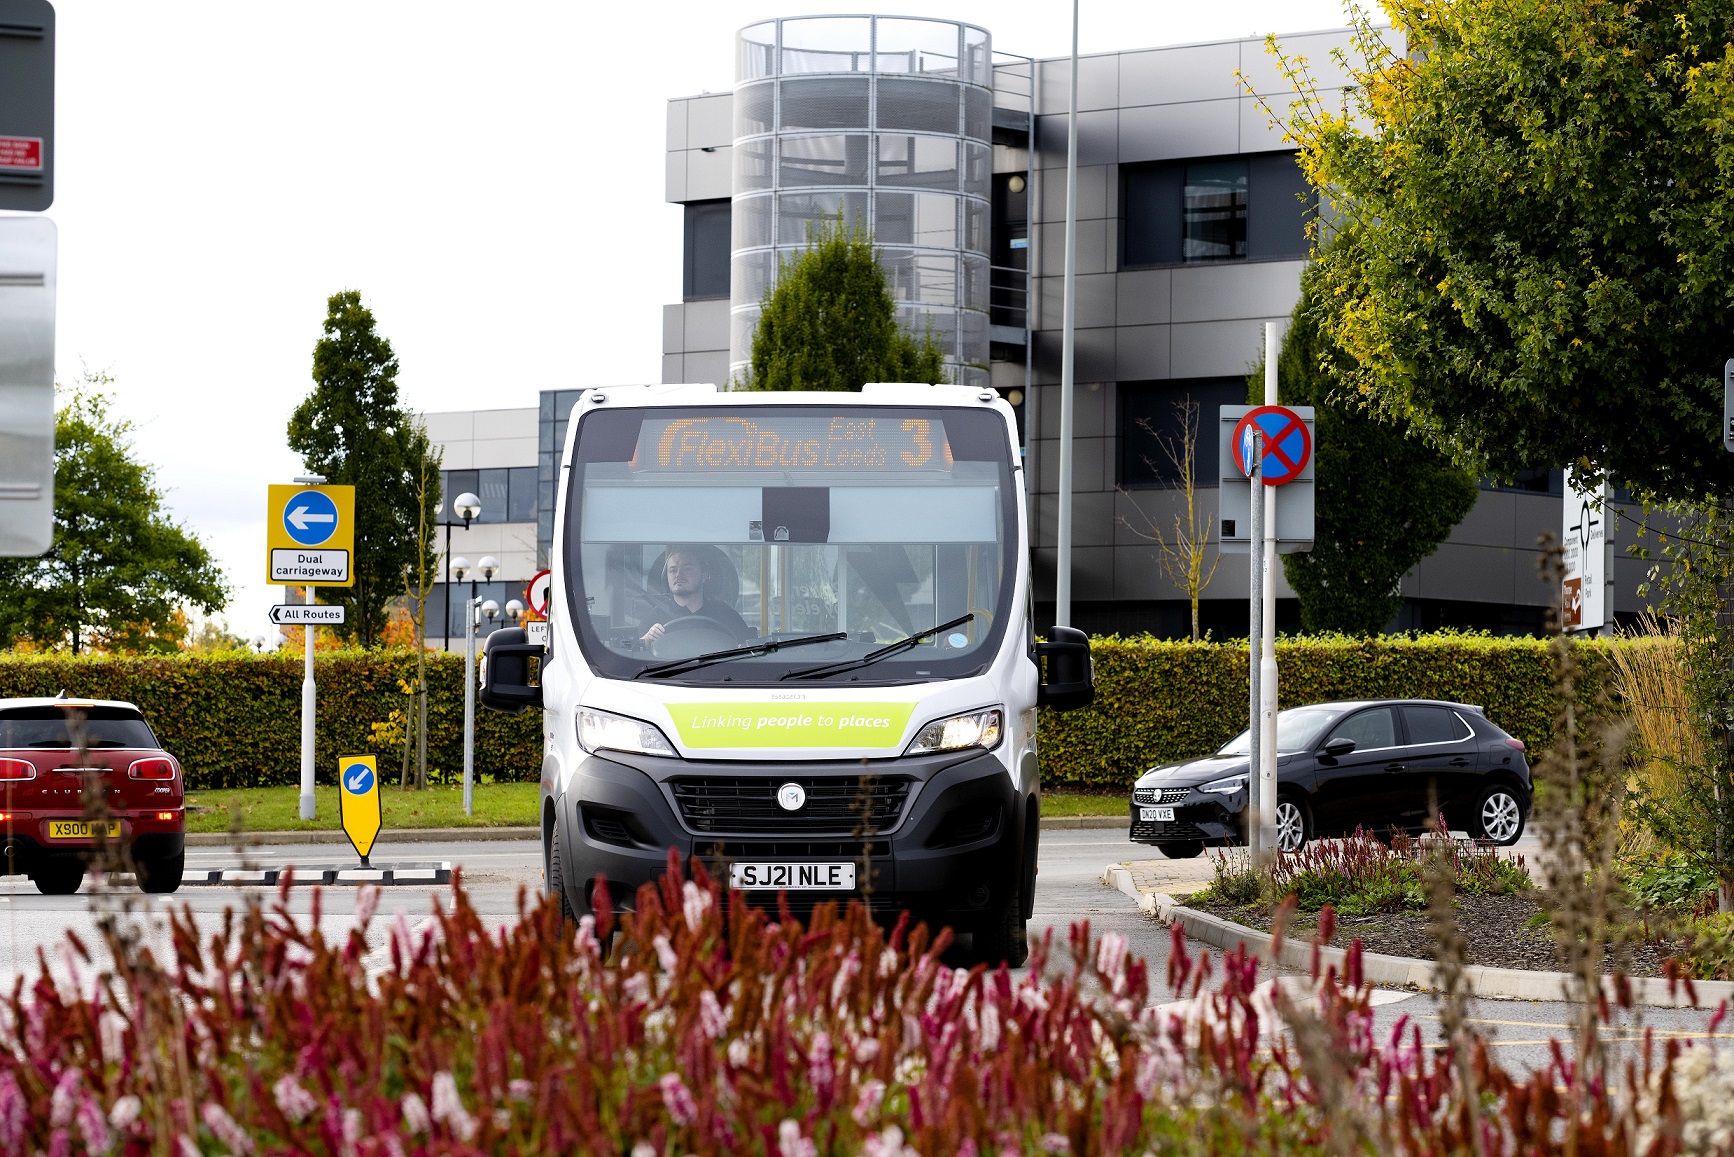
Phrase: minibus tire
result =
(1003, 936)
(557, 878)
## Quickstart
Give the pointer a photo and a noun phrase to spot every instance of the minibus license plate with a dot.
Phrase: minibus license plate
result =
(1155, 815)
(79, 829)
(793, 877)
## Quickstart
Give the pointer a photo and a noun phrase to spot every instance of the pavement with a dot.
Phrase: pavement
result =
(1069, 889)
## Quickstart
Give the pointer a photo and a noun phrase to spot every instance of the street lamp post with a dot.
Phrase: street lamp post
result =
(472, 623)
(467, 507)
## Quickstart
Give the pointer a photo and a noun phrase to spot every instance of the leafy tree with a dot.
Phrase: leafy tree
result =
(352, 430)
(1536, 200)
(120, 569)
(830, 322)
(1383, 499)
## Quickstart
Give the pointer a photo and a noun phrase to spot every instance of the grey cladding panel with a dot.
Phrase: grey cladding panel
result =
(27, 103)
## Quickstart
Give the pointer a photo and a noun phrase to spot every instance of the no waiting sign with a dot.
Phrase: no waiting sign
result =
(1288, 444)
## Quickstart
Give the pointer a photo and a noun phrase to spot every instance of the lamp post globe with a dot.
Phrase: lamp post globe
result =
(491, 609)
(467, 507)
(489, 566)
(460, 568)
(514, 610)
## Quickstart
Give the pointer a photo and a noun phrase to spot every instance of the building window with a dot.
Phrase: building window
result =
(507, 494)
(1153, 428)
(707, 250)
(1239, 208)
(1213, 211)
(1542, 481)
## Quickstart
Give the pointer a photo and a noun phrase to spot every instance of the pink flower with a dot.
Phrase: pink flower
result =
(14, 1113)
(295, 1102)
(366, 903)
(64, 1101)
(125, 1112)
(1054, 1142)
(93, 1126)
(665, 954)
(821, 1068)
(696, 902)
(415, 1117)
(989, 1027)
(448, 1108)
(712, 1020)
(888, 1144)
(1111, 958)
(867, 1101)
(790, 1143)
(677, 1099)
(518, 1089)
(866, 1050)
(224, 1129)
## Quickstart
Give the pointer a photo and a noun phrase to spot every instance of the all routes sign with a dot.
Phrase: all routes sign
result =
(1288, 444)
(310, 535)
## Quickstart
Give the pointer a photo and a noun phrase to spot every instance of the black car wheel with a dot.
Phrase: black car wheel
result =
(1293, 825)
(163, 875)
(1499, 818)
(1181, 849)
(59, 876)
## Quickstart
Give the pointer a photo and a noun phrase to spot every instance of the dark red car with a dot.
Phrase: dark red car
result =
(43, 830)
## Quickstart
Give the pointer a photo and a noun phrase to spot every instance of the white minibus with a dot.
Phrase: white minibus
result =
(790, 634)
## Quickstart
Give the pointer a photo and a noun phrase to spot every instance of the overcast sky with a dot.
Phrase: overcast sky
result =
(490, 176)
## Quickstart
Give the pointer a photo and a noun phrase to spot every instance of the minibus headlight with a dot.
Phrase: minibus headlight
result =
(600, 731)
(976, 729)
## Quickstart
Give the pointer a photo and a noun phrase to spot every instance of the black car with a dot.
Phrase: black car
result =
(1377, 765)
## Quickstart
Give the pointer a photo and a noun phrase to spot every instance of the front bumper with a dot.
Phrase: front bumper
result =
(951, 845)
(1218, 820)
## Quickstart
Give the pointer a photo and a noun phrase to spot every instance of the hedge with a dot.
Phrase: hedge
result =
(235, 720)
(1158, 701)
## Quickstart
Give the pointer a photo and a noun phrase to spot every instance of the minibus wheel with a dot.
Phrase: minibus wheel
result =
(557, 877)
(1002, 935)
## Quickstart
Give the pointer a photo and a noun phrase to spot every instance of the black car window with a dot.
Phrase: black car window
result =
(1434, 725)
(1370, 729)
(47, 727)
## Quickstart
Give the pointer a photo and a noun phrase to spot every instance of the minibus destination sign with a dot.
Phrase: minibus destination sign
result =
(793, 442)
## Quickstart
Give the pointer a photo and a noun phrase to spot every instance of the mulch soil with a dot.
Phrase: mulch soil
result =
(1497, 929)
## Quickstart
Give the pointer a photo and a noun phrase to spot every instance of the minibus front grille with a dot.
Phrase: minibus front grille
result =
(844, 805)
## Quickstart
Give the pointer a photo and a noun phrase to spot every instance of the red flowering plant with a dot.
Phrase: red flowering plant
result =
(684, 1029)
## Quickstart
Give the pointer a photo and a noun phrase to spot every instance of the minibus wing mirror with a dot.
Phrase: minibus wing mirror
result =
(1068, 672)
(506, 661)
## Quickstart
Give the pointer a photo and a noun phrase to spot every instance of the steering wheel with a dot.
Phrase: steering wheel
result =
(691, 635)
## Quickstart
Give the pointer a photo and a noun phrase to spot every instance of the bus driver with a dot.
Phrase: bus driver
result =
(687, 577)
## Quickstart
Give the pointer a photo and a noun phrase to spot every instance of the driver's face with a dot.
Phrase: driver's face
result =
(685, 575)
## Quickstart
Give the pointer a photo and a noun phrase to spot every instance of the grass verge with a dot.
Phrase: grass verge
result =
(1072, 803)
(277, 809)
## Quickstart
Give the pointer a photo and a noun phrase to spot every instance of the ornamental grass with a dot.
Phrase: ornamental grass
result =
(697, 1025)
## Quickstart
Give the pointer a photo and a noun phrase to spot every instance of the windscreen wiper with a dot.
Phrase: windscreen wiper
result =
(885, 652)
(764, 648)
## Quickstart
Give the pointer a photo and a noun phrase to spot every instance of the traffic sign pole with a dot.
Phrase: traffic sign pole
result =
(1267, 677)
(1255, 657)
(309, 700)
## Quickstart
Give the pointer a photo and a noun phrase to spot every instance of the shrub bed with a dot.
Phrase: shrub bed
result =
(234, 720)
(751, 1035)
(1158, 701)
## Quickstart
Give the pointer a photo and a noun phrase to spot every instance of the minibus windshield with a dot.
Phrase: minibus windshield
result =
(703, 531)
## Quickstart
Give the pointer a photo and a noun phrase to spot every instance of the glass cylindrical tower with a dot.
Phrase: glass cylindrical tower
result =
(889, 121)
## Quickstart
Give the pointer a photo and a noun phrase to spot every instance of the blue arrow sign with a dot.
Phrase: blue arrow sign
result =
(310, 518)
(358, 779)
